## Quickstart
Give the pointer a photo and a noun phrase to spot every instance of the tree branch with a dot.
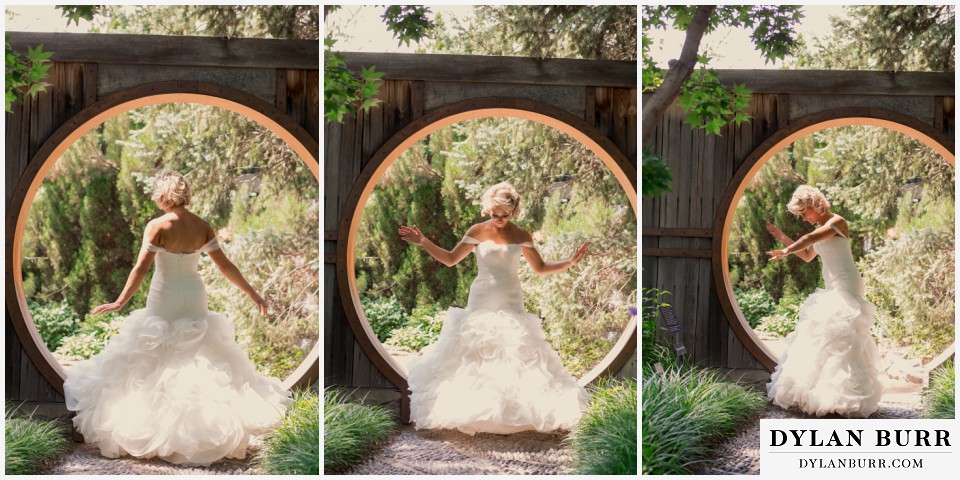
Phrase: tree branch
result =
(680, 71)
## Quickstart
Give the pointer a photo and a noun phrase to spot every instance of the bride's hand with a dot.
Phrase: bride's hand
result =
(261, 304)
(411, 234)
(578, 255)
(776, 254)
(106, 307)
(773, 230)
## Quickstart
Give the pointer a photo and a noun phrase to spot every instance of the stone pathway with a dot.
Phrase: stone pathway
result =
(438, 452)
(740, 455)
(85, 459)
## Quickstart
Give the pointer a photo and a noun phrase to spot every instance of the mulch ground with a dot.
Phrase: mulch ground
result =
(740, 455)
(448, 452)
(85, 459)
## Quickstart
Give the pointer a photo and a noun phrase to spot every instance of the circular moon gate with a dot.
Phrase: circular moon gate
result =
(53, 148)
(432, 121)
(874, 117)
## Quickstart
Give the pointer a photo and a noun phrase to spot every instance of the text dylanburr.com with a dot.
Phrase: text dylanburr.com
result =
(859, 448)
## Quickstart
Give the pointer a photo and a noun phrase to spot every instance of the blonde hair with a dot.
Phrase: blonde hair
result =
(171, 189)
(501, 195)
(806, 196)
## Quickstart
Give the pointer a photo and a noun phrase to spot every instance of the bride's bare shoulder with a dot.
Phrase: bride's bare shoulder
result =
(522, 235)
(841, 224)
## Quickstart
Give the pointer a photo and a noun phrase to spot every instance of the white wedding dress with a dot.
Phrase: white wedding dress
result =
(831, 362)
(173, 383)
(492, 369)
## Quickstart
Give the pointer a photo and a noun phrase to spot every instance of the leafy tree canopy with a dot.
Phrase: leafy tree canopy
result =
(888, 37)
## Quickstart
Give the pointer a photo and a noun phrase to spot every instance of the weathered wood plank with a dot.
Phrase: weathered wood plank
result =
(590, 105)
(678, 232)
(836, 82)
(438, 94)
(173, 50)
(632, 128)
(674, 252)
(300, 100)
(11, 358)
(280, 97)
(916, 106)
(494, 69)
(259, 82)
(783, 110)
(949, 116)
(89, 83)
(417, 98)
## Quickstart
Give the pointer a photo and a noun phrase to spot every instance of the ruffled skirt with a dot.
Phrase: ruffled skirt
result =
(492, 371)
(181, 390)
(831, 364)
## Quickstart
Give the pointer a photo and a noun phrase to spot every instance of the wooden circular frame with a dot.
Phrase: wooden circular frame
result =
(585, 133)
(875, 117)
(21, 202)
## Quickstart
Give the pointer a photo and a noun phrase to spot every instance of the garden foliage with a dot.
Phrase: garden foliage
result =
(293, 448)
(939, 398)
(351, 429)
(29, 443)
(604, 442)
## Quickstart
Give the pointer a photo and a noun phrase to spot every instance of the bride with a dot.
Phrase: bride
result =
(831, 362)
(492, 369)
(173, 383)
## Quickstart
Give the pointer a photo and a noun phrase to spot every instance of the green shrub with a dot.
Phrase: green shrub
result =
(422, 328)
(939, 399)
(385, 315)
(579, 354)
(653, 351)
(30, 443)
(784, 318)
(685, 411)
(294, 447)
(92, 337)
(755, 304)
(351, 429)
(55, 321)
(604, 441)
(912, 278)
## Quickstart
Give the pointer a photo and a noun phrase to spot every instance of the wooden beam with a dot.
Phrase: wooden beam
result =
(490, 69)
(678, 252)
(678, 232)
(330, 258)
(331, 235)
(841, 82)
(173, 50)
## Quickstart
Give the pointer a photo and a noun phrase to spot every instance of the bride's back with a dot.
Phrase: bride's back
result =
(180, 231)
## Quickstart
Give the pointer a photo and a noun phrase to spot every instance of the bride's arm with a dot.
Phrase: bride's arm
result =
(448, 258)
(229, 270)
(803, 243)
(137, 274)
(807, 254)
(541, 267)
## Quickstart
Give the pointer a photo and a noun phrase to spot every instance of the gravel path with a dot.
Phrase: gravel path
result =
(85, 459)
(436, 452)
(740, 455)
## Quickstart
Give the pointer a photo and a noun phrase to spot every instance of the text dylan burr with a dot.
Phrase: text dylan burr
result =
(854, 438)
